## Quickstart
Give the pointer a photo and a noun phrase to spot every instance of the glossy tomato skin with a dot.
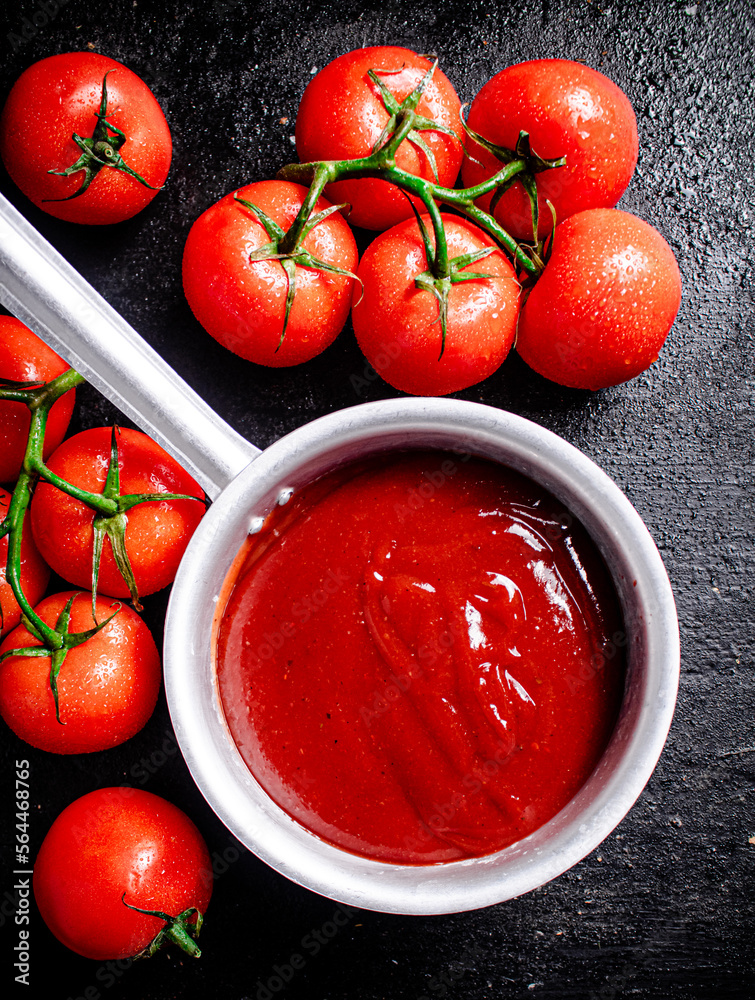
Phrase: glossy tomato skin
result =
(35, 573)
(604, 305)
(107, 687)
(157, 531)
(397, 324)
(569, 110)
(342, 115)
(59, 96)
(110, 842)
(26, 358)
(241, 303)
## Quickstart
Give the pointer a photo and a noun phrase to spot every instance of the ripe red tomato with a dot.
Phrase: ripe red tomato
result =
(35, 574)
(398, 325)
(107, 687)
(569, 110)
(342, 116)
(602, 309)
(26, 358)
(242, 303)
(157, 532)
(111, 842)
(61, 96)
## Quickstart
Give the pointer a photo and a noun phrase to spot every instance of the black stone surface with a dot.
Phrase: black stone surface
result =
(665, 908)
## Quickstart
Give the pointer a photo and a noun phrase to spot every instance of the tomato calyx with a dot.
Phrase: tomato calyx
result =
(101, 149)
(57, 645)
(285, 246)
(403, 121)
(445, 272)
(181, 930)
(533, 164)
(111, 520)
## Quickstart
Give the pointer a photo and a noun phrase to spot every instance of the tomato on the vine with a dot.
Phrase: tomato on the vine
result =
(113, 850)
(568, 110)
(85, 111)
(242, 303)
(107, 687)
(26, 358)
(34, 576)
(602, 309)
(342, 115)
(399, 327)
(157, 531)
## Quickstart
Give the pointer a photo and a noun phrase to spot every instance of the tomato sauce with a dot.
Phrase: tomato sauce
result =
(420, 658)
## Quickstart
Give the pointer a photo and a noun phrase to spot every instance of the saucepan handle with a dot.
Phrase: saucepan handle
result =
(42, 290)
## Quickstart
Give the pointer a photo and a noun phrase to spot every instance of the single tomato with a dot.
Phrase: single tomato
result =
(568, 110)
(53, 120)
(398, 324)
(35, 573)
(26, 358)
(157, 532)
(602, 309)
(242, 302)
(343, 115)
(110, 848)
(107, 686)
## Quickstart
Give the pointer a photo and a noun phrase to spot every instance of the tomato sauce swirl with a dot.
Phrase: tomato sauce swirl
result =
(420, 657)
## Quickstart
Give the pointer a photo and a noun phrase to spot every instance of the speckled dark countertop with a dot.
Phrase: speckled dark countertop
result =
(665, 908)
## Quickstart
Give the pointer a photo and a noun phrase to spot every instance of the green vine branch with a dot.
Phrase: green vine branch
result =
(405, 123)
(109, 509)
(522, 164)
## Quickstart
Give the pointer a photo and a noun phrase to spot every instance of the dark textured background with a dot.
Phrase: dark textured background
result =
(666, 906)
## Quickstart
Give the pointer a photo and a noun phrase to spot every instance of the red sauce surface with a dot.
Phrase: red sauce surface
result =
(420, 658)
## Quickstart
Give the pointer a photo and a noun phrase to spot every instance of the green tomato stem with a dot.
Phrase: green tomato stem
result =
(290, 243)
(108, 509)
(15, 519)
(381, 165)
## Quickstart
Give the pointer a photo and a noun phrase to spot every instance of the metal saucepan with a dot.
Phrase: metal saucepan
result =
(44, 291)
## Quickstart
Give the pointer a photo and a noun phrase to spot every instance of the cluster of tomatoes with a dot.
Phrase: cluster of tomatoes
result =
(79, 675)
(495, 231)
(527, 249)
(588, 305)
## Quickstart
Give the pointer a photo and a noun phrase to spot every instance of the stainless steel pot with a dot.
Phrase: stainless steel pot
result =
(39, 287)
